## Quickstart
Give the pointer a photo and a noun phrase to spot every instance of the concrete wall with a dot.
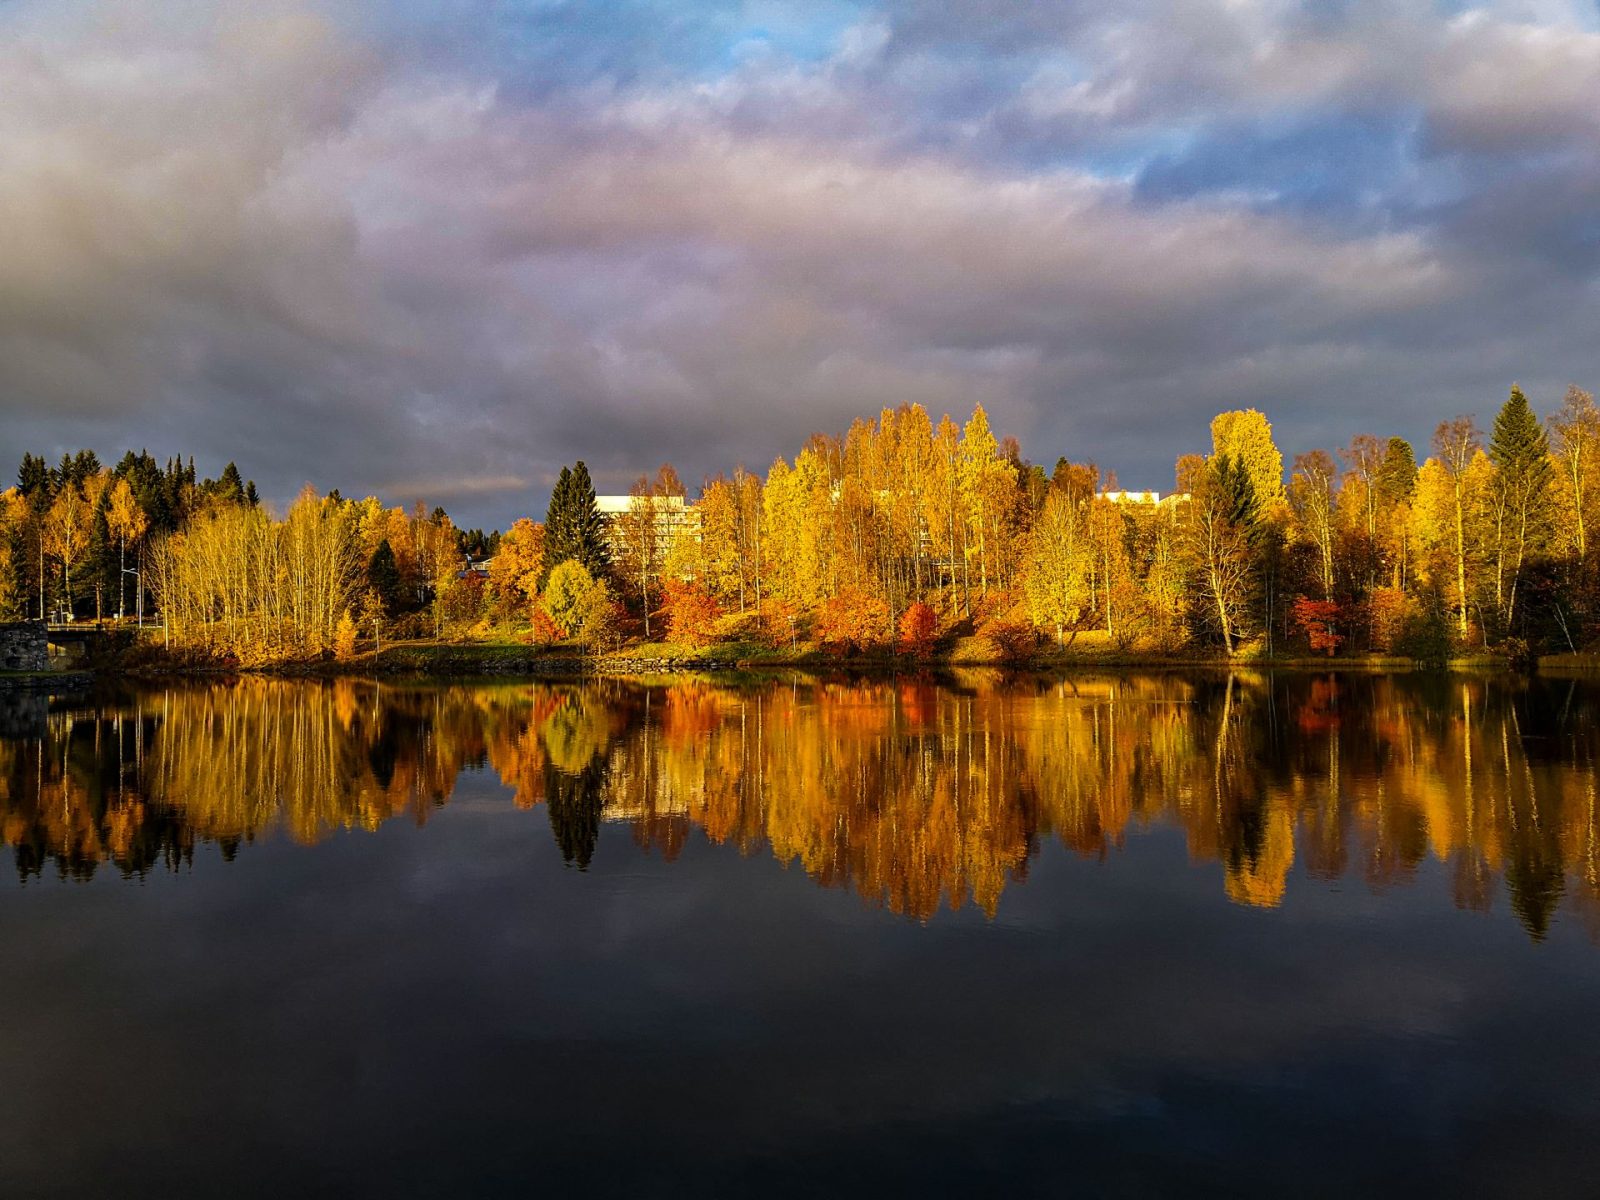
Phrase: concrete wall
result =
(24, 647)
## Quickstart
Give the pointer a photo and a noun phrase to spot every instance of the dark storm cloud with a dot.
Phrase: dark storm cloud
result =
(420, 251)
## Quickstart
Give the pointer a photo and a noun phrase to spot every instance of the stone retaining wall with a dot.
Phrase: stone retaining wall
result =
(24, 647)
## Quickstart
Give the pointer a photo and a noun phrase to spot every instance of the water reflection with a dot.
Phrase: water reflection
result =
(915, 794)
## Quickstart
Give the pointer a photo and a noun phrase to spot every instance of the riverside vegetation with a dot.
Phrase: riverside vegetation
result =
(901, 539)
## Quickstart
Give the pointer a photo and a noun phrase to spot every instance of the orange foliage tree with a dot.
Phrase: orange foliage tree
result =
(691, 613)
(853, 621)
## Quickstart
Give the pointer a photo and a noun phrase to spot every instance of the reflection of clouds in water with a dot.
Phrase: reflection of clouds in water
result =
(917, 796)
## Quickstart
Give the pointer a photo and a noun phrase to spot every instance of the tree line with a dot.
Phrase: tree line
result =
(225, 576)
(900, 534)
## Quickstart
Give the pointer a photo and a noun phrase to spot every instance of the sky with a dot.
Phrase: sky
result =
(434, 249)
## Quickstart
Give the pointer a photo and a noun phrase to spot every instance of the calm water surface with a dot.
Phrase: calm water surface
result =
(1312, 935)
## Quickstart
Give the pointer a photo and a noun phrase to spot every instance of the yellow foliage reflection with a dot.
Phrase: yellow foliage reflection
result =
(914, 794)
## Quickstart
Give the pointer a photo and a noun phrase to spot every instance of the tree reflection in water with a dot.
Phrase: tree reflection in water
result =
(917, 794)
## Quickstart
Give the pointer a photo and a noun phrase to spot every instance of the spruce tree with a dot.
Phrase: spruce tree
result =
(33, 477)
(231, 486)
(383, 574)
(1519, 447)
(557, 525)
(588, 527)
(1397, 475)
(1243, 507)
(102, 557)
(1520, 451)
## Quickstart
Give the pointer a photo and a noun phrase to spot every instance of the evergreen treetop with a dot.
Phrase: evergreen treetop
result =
(1397, 475)
(1519, 446)
(383, 575)
(573, 527)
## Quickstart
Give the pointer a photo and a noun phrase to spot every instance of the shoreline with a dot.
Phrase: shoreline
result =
(468, 661)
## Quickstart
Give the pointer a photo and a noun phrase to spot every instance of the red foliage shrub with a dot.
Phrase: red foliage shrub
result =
(545, 630)
(1319, 621)
(918, 625)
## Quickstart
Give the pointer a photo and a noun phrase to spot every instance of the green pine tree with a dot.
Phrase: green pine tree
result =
(101, 559)
(557, 526)
(230, 487)
(1233, 477)
(588, 527)
(383, 574)
(1397, 474)
(1519, 447)
(1520, 451)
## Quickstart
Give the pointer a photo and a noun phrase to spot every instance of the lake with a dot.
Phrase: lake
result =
(1214, 934)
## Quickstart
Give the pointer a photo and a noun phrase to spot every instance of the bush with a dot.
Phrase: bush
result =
(918, 624)
(1011, 641)
(1319, 620)
(544, 630)
(854, 621)
(780, 624)
(1425, 634)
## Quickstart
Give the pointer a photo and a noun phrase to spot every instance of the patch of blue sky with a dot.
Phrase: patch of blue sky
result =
(1579, 14)
(1124, 156)
(1332, 163)
(556, 43)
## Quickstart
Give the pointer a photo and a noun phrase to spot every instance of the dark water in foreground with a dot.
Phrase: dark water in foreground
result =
(1130, 936)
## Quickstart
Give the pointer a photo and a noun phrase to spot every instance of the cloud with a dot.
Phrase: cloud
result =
(333, 248)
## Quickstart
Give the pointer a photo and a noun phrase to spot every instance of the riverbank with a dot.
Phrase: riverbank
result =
(443, 659)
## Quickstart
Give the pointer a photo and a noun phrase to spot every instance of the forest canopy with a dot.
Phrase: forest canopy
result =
(900, 524)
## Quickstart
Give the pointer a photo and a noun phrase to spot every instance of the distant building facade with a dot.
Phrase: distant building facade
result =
(1147, 499)
(672, 516)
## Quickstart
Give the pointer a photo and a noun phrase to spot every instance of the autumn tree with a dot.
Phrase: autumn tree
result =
(1110, 534)
(13, 550)
(66, 533)
(518, 564)
(578, 603)
(1575, 432)
(918, 626)
(645, 532)
(1244, 437)
(1455, 442)
(691, 613)
(986, 481)
(854, 620)
(1059, 563)
(1311, 496)
(1219, 521)
(128, 523)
